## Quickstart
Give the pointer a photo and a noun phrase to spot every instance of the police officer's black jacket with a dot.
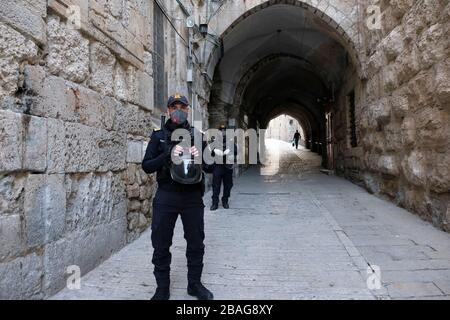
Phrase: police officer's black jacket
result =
(158, 158)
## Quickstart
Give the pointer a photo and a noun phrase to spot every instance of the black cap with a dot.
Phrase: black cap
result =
(177, 98)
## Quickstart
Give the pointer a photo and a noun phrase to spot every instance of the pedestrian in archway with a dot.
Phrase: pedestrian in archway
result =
(297, 138)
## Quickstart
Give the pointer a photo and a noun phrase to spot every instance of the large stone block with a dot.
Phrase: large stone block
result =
(53, 98)
(432, 45)
(442, 83)
(21, 278)
(32, 274)
(408, 128)
(400, 7)
(35, 143)
(93, 246)
(439, 175)
(54, 207)
(112, 148)
(145, 91)
(9, 69)
(33, 210)
(133, 120)
(44, 208)
(409, 64)
(57, 98)
(11, 194)
(94, 149)
(34, 76)
(119, 200)
(93, 199)
(14, 48)
(56, 146)
(421, 92)
(399, 103)
(37, 6)
(84, 248)
(102, 63)
(148, 62)
(392, 137)
(68, 51)
(139, 88)
(11, 141)
(390, 77)
(120, 82)
(82, 149)
(393, 44)
(10, 280)
(433, 127)
(415, 168)
(379, 112)
(58, 256)
(388, 164)
(11, 238)
(134, 154)
(93, 109)
(25, 18)
(130, 176)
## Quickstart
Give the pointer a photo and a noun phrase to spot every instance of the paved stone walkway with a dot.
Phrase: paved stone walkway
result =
(293, 233)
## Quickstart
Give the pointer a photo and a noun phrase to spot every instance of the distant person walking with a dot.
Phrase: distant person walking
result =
(297, 138)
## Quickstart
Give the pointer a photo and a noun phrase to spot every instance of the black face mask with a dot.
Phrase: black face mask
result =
(179, 116)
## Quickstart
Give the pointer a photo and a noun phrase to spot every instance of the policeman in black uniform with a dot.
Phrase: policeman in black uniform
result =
(176, 195)
(222, 172)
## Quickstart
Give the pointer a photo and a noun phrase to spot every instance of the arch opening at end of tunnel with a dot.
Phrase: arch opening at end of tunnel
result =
(284, 127)
(284, 59)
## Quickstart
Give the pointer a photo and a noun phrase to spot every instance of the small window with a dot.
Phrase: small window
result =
(352, 118)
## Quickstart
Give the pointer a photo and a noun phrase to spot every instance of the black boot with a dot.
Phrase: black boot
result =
(225, 204)
(198, 290)
(214, 207)
(162, 293)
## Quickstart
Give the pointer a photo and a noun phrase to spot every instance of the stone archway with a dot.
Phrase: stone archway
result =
(279, 54)
(341, 16)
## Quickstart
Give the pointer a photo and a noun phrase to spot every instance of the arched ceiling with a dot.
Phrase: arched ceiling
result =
(287, 31)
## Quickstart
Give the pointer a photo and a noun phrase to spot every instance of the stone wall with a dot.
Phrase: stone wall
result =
(404, 117)
(76, 110)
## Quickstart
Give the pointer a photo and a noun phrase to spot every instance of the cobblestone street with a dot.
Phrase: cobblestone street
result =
(292, 233)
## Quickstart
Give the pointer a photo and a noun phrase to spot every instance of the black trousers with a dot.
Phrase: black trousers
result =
(222, 174)
(296, 144)
(166, 208)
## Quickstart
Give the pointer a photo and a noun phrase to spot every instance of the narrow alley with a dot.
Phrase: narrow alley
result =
(292, 233)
